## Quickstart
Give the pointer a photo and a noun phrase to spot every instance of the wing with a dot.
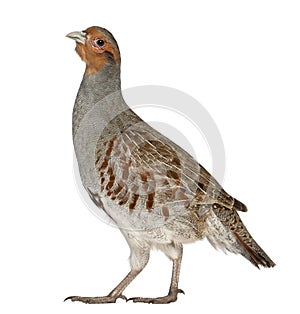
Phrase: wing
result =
(143, 170)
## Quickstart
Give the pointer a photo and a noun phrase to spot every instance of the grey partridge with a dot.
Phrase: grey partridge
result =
(155, 192)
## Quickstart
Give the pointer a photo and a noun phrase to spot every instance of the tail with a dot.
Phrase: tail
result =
(241, 240)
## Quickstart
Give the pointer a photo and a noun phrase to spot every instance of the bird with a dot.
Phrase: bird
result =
(157, 194)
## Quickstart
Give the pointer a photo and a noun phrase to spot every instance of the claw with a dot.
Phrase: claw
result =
(69, 298)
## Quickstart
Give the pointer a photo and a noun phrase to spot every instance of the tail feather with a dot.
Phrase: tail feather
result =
(255, 253)
(237, 205)
(244, 243)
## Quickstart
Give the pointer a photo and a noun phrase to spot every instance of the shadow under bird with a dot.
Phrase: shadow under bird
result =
(156, 193)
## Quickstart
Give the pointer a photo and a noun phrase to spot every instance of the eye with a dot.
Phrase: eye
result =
(99, 42)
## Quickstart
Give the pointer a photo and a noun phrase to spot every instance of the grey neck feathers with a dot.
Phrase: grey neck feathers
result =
(100, 91)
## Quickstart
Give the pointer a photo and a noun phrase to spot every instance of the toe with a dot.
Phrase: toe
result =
(161, 300)
(122, 297)
(96, 300)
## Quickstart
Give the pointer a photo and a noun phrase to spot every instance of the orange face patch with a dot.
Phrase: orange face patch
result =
(96, 51)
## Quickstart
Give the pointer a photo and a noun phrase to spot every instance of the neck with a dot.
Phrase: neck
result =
(93, 89)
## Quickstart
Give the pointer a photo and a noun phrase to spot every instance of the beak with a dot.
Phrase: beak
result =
(79, 37)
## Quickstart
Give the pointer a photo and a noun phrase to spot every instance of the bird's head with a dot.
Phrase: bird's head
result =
(97, 47)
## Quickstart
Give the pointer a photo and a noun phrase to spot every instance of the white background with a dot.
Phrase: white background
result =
(240, 59)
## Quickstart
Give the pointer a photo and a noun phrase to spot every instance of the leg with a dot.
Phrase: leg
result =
(173, 291)
(140, 258)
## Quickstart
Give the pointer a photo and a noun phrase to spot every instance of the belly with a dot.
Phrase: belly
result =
(153, 227)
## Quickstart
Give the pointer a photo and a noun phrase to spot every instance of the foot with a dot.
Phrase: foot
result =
(171, 297)
(96, 300)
